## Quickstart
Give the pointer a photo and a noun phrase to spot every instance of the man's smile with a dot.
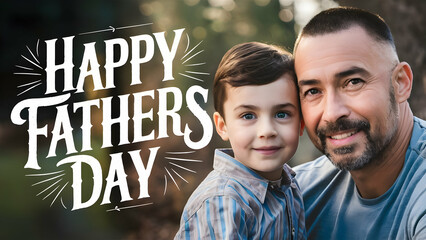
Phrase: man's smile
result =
(342, 135)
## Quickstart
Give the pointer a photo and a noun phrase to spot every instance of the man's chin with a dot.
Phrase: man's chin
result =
(348, 162)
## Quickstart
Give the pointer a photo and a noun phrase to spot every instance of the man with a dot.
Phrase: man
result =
(371, 183)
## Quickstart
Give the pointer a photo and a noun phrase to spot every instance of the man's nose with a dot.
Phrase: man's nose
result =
(335, 107)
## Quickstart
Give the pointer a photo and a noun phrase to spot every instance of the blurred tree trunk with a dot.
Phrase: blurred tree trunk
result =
(407, 21)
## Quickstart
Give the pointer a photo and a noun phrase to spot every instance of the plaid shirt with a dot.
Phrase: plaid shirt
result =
(234, 202)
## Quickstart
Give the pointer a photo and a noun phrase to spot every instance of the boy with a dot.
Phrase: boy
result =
(251, 193)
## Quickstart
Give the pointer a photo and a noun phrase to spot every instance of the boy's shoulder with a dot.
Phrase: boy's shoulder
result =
(228, 182)
(217, 185)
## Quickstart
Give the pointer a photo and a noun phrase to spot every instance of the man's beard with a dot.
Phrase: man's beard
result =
(375, 145)
(350, 162)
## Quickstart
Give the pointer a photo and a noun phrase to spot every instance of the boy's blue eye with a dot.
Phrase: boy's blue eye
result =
(281, 115)
(248, 116)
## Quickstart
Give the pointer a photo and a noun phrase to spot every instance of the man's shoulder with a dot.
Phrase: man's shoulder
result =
(315, 169)
(320, 162)
(418, 138)
(315, 174)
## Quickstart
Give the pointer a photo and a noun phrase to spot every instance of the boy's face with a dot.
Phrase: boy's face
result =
(263, 125)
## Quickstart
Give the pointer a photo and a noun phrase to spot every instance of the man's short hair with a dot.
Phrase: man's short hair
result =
(250, 63)
(341, 18)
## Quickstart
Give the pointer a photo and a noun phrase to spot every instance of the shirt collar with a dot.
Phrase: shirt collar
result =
(417, 133)
(225, 162)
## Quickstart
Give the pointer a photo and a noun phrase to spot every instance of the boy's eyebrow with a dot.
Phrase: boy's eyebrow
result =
(278, 106)
(285, 105)
(245, 107)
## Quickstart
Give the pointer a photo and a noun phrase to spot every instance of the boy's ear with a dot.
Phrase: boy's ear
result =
(219, 122)
(302, 126)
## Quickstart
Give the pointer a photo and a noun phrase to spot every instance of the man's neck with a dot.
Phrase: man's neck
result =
(375, 179)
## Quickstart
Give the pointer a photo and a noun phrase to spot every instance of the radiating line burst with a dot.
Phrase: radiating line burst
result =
(180, 152)
(179, 175)
(195, 64)
(199, 73)
(25, 73)
(25, 68)
(30, 71)
(191, 77)
(175, 162)
(26, 90)
(52, 187)
(187, 44)
(165, 184)
(184, 168)
(49, 187)
(59, 193)
(172, 178)
(188, 55)
(195, 54)
(62, 202)
(183, 159)
(35, 64)
(31, 83)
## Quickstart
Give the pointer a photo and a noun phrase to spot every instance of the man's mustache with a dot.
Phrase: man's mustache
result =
(342, 124)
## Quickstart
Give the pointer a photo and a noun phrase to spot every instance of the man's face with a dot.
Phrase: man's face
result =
(263, 125)
(346, 95)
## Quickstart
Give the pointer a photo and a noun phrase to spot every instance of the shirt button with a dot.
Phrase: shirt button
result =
(293, 231)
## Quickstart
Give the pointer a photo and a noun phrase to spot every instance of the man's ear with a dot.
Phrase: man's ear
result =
(302, 126)
(220, 124)
(402, 81)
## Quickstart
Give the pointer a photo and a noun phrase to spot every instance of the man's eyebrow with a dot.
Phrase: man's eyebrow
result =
(351, 71)
(339, 75)
(308, 82)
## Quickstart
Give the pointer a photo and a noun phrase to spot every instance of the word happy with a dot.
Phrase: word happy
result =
(65, 109)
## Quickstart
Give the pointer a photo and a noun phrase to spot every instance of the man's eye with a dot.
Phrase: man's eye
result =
(248, 116)
(355, 81)
(312, 91)
(354, 84)
(281, 115)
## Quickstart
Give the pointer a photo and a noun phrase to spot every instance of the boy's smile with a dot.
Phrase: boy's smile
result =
(268, 150)
(262, 123)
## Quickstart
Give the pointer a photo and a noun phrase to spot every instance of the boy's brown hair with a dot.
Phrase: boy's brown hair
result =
(251, 63)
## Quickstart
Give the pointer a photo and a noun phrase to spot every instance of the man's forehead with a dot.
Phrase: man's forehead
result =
(351, 37)
(351, 46)
(333, 38)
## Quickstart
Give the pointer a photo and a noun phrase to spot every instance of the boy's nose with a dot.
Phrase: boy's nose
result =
(266, 128)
